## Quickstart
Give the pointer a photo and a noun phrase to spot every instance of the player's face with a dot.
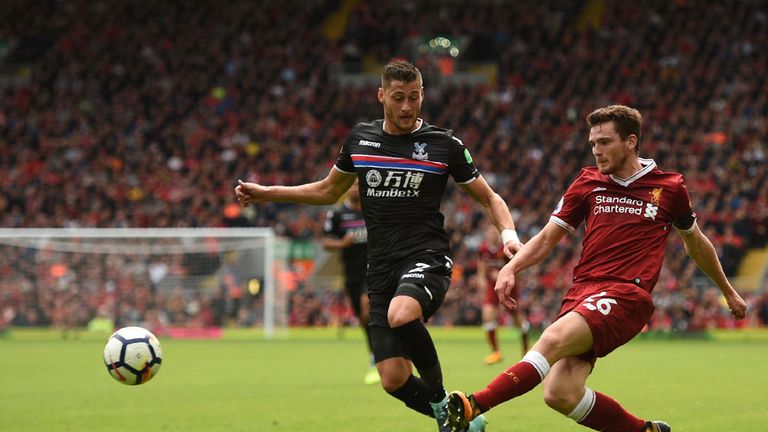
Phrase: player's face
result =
(612, 154)
(402, 106)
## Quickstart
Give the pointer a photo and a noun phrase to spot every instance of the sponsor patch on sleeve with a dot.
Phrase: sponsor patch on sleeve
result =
(467, 156)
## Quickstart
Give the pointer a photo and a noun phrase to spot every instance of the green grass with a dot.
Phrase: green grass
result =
(311, 380)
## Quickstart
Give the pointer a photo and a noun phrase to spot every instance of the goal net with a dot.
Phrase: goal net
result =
(177, 278)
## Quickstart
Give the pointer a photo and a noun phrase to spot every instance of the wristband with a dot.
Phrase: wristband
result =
(509, 235)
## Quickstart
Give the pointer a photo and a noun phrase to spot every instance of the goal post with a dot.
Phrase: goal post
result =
(176, 276)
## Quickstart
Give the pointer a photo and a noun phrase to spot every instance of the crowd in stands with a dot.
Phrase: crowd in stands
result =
(144, 114)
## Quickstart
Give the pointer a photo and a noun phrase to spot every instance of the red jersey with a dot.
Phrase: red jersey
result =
(492, 255)
(627, 222)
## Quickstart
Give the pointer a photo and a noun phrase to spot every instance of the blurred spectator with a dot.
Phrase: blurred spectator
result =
(143, 113)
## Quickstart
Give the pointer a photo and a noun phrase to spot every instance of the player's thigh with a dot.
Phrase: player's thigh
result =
(426, 278)
(490, 312)
(565, 385)
(489, 295)
(403, 310)
(570, 335)
(381, 283)
(615, 313)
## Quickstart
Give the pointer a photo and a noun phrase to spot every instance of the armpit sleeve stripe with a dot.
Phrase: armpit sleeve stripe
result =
(341, 170)
(563, 224)
(689, 230)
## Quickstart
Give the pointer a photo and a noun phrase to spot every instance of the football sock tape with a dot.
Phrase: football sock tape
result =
(584, 407)
(538, 362)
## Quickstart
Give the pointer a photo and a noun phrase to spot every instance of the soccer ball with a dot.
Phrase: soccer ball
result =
(133, 355)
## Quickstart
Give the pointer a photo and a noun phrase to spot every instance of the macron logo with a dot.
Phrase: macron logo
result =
(369, 143)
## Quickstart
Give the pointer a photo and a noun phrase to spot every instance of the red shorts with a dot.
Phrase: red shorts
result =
(491, 298)
(615, 313)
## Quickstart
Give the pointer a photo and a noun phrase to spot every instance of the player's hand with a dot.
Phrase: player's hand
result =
(348, 240)
(511, 248)
(505, 287)
(248, 192)
(736, 305)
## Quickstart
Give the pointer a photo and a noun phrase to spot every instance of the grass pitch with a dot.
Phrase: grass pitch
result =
(311, 380)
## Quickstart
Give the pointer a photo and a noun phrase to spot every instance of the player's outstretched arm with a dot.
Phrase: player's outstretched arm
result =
(701, 250)
(497, 211)
(339, 243)
(324, 192)
(533, 252)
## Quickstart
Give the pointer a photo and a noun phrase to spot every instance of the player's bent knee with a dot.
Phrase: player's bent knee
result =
(403, 310)
(560, 401)
(398, 319)
(390, 385)
(394, 374)
(550, 343)
(556, 344)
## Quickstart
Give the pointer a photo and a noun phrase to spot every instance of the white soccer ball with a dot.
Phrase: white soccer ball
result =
(133, 355)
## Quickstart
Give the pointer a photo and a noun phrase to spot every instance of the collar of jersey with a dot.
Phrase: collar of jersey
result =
(647, 166)
(419, 124)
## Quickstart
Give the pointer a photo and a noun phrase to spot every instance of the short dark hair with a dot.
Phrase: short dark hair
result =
(399, 70)
(628, 121)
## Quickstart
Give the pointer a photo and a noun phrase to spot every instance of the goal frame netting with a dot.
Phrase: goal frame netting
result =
(22, 237)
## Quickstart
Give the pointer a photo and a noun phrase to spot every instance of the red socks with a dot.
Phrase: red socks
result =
(607, 415)
(492, 339)
(595, 410)
(519, 379)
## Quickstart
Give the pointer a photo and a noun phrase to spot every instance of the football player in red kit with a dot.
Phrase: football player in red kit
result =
(629, 207)
(490, 260)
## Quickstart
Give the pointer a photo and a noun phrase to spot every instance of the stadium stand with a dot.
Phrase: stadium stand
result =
(144, 114)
